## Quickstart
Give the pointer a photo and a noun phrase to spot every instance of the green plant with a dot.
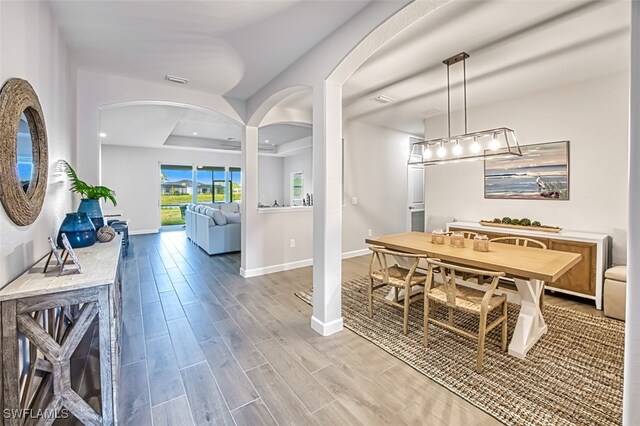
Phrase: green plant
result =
(506, 220)
(497, 220)
(92, 192)
(525, 222)
(515, 221)
(536, 223)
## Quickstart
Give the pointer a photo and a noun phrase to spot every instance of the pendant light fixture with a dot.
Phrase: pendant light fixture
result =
(468, 146)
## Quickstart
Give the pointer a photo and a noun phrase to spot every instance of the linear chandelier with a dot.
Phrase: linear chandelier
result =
(468, 146)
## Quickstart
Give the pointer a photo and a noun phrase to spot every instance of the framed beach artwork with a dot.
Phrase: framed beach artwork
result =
(542, 173)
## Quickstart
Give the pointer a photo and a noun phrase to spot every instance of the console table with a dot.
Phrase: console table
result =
(585, 279)
(44, 318)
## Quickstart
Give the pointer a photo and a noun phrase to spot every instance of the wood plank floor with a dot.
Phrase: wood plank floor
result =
(203, 345)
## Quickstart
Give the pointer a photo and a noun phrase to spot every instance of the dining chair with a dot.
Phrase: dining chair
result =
(480, 303)
(524, 242)
(397, 276)
(520, 241)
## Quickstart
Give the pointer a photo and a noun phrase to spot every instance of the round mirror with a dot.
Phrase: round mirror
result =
(24, 164)
(24, 159)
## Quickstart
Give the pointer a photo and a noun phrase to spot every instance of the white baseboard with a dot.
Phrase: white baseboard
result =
(355, 253)
(326, 328)
(248, 273)
(144, 231)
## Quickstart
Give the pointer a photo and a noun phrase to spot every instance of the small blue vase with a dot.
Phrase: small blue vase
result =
(93, 210)
(79, 230)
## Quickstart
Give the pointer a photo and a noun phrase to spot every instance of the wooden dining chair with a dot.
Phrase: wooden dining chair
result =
(524, 242)
(480, 303)
(520, 241)
(398, 277)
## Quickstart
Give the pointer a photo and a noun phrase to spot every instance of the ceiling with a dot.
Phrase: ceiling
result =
(164, 125)
(281, 133)
(230, 48)
(516, 47)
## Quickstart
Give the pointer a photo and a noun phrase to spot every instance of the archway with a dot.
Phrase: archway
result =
(275, 227)
(195, 150)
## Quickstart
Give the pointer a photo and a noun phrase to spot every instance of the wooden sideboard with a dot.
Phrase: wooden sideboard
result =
(584, 279)
(44, 319)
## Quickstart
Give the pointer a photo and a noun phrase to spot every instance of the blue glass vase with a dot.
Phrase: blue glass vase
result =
(79, 230)
(93, 210)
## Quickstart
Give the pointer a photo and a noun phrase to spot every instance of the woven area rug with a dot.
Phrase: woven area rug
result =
(572, 376)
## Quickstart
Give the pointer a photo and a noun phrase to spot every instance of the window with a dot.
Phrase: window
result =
(210, 184)
(180, 185)
(297, 188)
(176, 190)
(235, 184)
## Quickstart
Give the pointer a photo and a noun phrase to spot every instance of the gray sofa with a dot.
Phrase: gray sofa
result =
(214, 227)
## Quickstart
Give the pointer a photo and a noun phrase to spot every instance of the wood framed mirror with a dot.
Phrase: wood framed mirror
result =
(24, 159)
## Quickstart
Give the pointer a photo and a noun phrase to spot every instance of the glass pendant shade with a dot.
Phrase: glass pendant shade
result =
(468, 146)
(490, 143)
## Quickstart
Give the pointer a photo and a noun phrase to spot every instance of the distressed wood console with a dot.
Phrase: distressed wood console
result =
(44, 319)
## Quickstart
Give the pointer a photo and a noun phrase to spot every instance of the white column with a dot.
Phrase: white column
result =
(327, 210)
(249, 205)
(631, 408)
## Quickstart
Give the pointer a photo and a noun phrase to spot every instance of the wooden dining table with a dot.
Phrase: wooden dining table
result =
(529, 267)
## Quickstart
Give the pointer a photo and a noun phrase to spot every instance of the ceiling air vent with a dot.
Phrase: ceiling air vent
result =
(174, 79)
(383, 99)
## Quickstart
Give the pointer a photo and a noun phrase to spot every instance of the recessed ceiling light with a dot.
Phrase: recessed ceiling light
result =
(103, 135)
(195, 133)
(383, 99)
(176, 79)
(266, 141)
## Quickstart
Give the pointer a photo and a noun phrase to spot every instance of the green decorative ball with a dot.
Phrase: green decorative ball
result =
(515, 221)
(497, 220)
(506, 220)
(536, 223)
(525, 222)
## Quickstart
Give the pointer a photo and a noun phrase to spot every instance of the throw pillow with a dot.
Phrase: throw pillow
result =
(218, 217)
(232, 217)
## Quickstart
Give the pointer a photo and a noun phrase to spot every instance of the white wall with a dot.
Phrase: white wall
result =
(270, 177)
(593, 115)
(134, 174)
(32, 48)
(299, 162)
(375, 162)
(271, 237)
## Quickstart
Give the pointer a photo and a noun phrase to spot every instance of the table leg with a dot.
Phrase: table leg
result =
(10, 368)
(531, 325)
(106, 384)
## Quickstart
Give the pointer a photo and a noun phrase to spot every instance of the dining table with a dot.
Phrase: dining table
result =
(529, 267)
